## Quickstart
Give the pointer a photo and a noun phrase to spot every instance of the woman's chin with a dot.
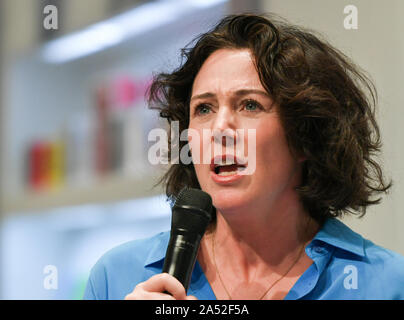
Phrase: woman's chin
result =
(230, 200)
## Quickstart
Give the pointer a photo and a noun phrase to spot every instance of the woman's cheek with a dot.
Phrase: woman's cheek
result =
(194, 145)
(200, 145)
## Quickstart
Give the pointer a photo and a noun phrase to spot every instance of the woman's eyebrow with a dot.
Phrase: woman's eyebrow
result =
(241, 92)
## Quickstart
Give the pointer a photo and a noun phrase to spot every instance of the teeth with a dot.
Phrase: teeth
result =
(228, 173)
(224, 163)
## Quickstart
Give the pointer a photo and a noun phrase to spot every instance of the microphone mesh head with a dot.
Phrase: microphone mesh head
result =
(195, 198)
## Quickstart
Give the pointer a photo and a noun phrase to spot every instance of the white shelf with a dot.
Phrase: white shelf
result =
(108, 189)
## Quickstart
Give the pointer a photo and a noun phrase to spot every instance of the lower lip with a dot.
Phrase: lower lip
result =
(225, 179)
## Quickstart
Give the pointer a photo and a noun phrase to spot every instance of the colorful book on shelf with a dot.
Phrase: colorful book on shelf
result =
(38, 158)
(56, 164)
(46, 165)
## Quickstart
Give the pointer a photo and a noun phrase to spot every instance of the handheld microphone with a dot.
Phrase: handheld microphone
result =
(191, 215)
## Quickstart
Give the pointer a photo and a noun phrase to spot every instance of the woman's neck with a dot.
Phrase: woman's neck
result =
(267, 236)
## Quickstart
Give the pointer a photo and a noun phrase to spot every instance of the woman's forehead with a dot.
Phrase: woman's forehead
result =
(227, 70)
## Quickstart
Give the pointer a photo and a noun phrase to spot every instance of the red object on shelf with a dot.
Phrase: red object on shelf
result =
(123, 93)
(39, 165)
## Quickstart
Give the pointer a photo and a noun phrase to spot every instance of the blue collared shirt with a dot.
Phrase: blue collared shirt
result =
(345, 266)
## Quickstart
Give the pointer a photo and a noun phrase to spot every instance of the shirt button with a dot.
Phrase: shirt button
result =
(319, 250)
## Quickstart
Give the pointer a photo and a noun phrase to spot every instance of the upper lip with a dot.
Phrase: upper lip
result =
(218, 160)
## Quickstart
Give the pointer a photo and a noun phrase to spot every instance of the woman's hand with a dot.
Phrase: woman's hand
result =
(159, 287)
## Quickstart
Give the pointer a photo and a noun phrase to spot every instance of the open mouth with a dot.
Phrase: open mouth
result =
(226, 165)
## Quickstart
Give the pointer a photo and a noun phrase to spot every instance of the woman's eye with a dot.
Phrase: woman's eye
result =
(202, 109)
(251, 105)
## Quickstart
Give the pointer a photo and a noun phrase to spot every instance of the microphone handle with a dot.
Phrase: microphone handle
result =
(181, 256)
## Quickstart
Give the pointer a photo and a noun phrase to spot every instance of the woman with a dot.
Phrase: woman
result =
(274, 235)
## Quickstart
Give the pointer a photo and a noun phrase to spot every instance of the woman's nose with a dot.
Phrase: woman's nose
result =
(225, 119)
(224, 125)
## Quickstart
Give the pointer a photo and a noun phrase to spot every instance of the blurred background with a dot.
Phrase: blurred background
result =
(75, 180)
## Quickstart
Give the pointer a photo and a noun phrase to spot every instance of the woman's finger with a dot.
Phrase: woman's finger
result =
(164, 282)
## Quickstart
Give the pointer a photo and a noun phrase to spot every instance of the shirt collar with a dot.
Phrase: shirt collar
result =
(333, 232)
(158, 250)
(337, 234)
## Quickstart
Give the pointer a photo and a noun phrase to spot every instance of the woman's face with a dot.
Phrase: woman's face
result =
(227, 96)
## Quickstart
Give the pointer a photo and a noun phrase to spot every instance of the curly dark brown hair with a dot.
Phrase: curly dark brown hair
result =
(326, 106)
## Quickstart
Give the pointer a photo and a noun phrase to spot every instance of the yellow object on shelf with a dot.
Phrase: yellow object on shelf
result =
(57, 165)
